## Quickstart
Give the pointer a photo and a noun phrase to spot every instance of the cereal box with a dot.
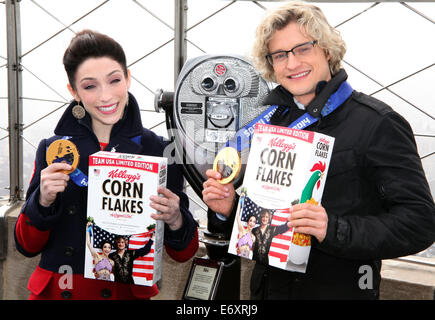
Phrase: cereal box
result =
(123, 243)
(285, 167)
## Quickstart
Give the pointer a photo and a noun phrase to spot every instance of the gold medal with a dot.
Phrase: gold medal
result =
(228, 164)
(63, 151)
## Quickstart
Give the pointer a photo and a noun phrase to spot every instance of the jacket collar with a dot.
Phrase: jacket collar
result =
(281, 97)
(130, 125)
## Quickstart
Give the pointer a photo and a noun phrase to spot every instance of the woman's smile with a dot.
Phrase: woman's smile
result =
(108, 109)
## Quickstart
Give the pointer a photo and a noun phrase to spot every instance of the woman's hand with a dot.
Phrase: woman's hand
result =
(168, 204)
(218, 197)
(309, 219)
(53, 180)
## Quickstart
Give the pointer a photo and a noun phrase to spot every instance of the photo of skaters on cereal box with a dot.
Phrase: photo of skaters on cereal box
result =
(121, 258)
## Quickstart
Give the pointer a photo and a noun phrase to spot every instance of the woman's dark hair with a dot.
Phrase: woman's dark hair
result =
(91, 44)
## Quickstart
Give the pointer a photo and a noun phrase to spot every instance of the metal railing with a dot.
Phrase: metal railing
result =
(15, 131)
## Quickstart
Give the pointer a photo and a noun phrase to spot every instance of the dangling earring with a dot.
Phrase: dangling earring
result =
(78, 111)
(126, 104)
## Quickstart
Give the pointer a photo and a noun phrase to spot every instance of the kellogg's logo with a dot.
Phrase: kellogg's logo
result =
(122, 174)
(280, 143)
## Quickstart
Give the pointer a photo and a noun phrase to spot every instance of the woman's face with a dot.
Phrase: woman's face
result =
(107, 247)
(102, 87)
(252, 222)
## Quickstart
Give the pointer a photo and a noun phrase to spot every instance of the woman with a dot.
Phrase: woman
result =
(104, 116)
(246, 238)
(103, 264)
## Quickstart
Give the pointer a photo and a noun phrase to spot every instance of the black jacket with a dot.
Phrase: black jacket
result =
(376, 196)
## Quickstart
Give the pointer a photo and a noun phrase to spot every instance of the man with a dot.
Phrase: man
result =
(264, 235)
(376, 202)
(123, 258)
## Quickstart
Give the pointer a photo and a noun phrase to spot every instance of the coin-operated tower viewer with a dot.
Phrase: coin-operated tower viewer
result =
(215, 98)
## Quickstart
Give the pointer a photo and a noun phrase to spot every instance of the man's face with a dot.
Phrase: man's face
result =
(265, 219)
(299, 75)
(121, 244)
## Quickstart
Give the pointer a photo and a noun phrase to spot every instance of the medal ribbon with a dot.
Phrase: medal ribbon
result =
(77, 176)
(242, 138)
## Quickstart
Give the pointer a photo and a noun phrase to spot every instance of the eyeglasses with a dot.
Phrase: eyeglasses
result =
(301, 50)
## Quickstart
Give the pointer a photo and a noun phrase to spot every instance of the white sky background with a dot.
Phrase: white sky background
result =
(388, 42)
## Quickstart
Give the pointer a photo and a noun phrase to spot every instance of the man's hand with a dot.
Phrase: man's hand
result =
(309, 219)
(218, 197)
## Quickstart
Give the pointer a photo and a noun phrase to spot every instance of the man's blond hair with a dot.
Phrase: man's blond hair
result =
(311, 20)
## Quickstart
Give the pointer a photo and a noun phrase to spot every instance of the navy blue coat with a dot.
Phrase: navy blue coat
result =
(57, 232)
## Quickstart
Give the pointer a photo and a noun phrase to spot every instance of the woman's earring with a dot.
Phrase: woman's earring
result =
(78, 111)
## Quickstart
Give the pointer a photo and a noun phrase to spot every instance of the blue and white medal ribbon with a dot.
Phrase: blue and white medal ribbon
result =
(243, 137)
(77, 176)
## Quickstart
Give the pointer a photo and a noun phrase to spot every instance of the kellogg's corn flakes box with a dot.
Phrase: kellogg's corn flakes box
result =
(123, 242)
(285, 166)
